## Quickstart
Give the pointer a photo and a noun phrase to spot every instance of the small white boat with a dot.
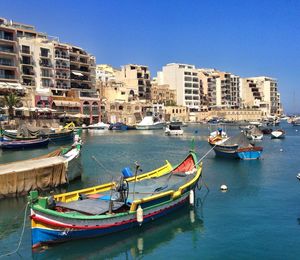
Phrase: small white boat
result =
(256, 137)
(148, 123)
(173, 130)
(99, 126)
(278, 134)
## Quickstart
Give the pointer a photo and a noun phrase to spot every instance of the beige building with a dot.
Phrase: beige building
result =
(137, 79)
(163, 94)
(49, 69)
(176, 113)
(220, 89)
(261, 92)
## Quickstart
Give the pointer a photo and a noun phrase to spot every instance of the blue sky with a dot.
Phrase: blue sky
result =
(248, 38)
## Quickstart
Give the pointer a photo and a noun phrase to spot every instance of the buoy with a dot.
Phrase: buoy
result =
(296, 130)
(281, 150)
(192, 197)
(223, 187)
(139, 215)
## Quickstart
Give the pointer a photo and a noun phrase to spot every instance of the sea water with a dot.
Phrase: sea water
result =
(258, 217)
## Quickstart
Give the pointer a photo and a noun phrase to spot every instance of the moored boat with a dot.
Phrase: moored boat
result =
(120, 126)
(278, 134)
(99, 126)
(149, 123)
(238, 147)
(115, 206)
(173, 130)
(24, 144)
(217, 136)
(50, 170)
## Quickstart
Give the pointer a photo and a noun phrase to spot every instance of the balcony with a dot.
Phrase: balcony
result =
(62, 77)
(45, 64)
(60, 56)
(46, 75)
(7, 76)
(60, 67)
(7, 50)
(7, 37)
(28, 73)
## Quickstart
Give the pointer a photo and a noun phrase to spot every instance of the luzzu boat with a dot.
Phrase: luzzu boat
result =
(114, 206)
(238, 147)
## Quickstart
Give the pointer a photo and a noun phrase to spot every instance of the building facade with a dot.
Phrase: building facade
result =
(54, 71)
(261, 92)
(137, 79)
(182, 78)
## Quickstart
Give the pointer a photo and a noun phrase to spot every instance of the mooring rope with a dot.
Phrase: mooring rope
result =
(21, 236)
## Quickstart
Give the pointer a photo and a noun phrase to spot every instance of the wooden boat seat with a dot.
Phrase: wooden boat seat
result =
(90, 206)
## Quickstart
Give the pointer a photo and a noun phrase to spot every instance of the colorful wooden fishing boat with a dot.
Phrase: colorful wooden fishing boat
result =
(114, 206)
(238, 147)
(24, 144)
(217, 136)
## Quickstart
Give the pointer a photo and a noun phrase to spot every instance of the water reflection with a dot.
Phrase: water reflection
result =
(133, 243)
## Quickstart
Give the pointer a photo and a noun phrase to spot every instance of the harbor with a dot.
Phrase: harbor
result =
(257, 216)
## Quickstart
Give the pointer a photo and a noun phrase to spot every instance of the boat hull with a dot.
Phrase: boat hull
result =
(150, 127)
(19, 145)
(43, 231)
(249, 155)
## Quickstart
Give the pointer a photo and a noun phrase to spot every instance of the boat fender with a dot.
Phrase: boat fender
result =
(139, 215)
(192, 197)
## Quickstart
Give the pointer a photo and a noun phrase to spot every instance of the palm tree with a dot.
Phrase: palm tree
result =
(11, 100)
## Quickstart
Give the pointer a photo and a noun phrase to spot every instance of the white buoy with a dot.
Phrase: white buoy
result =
(281, 150)
(192, 197)
(296, 130)
(139, 215)
(223, 187)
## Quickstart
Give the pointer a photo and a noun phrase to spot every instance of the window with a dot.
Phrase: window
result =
(122, 93)
(44, 52)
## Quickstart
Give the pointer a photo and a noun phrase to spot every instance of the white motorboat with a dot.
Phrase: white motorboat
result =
(99, 126)
(173, 130)
(278, 134)
(148, 123)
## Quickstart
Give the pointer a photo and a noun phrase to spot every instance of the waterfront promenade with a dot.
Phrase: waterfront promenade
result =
(256, 218)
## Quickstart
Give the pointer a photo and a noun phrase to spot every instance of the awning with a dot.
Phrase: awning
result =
(77, 73)
(6, 85)
(21, 108)
(60, 103)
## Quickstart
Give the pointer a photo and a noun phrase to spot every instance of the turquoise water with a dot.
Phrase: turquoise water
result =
(258, 217)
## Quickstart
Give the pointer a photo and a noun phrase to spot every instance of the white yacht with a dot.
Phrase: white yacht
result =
(149, 123)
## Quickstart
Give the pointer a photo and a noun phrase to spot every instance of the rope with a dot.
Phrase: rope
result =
(21, 236)
(199, 161)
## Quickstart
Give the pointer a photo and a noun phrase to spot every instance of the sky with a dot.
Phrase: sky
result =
(246, 38)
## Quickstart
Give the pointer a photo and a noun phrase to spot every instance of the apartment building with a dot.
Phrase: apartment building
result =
(220, 89)
(163, 94)
(182, 78)
(137, 79)
(261, 92)
(106, 73)
(49, 68)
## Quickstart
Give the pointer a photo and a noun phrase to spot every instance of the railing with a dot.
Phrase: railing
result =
(9, 38)
(7, 63)
(62, 56)
(6, 50)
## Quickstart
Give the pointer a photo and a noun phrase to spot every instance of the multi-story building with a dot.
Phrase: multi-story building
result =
(184, 79)
(261, 92)
(220, 89)
(163, 94)
(105, 73)
(50, 69)
(137, 79)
